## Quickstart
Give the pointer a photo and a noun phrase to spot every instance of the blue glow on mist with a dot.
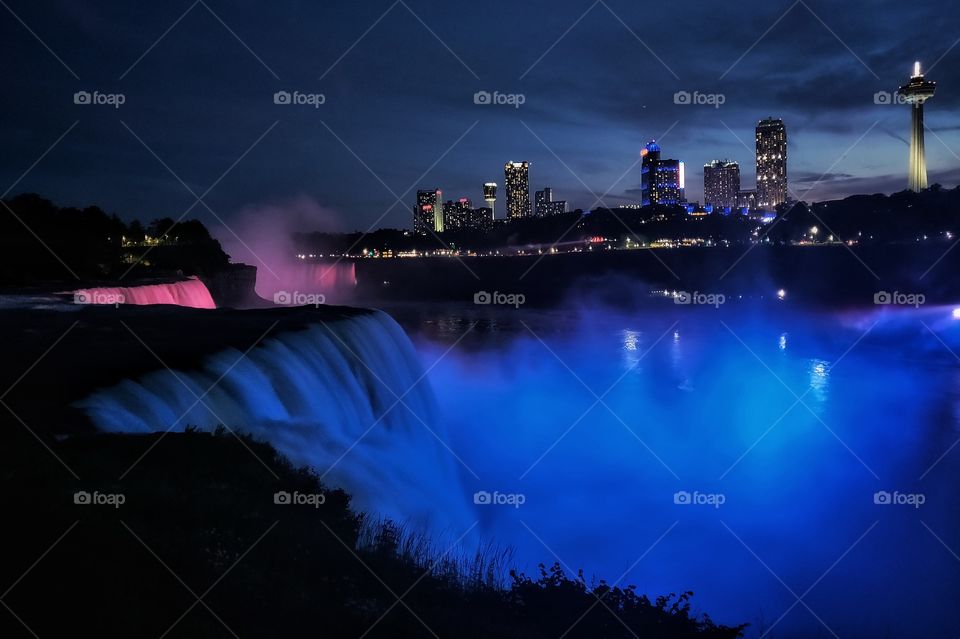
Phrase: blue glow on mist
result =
(712, 407)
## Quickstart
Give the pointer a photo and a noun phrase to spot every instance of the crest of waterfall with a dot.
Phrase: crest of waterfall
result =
(191, 292)
(346, 397)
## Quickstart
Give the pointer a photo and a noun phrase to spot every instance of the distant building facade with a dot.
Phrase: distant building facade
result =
(427, 212)
(661, 180)
(517, 180)
(747, 199)
(721, 183)
(457, 214)
(490, 197)
(540, 201)
(771, 163)
(545, 204)
(481, 219)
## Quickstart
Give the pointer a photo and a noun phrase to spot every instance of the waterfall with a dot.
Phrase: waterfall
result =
(324, 396)
(192, 293)
(335, 280)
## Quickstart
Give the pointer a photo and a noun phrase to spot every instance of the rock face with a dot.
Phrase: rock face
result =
(233, 286)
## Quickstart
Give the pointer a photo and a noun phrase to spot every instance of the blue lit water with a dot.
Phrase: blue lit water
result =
(793, 420)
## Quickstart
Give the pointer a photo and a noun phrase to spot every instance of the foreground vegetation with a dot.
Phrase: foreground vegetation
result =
(198, 547)
(40, 242)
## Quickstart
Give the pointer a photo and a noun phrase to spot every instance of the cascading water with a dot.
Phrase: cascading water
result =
(335, 280)
(327, 397)
(191, 292)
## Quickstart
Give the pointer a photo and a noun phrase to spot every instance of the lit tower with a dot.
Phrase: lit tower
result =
(915, 93)
(771, 163)
(661, 180)
(721, 183)
(490, 195)
(517, 178)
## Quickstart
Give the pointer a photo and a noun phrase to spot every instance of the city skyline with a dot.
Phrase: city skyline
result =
(662, 182)
(359, 153)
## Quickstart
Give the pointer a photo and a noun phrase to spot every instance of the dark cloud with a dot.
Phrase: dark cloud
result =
(804, 177)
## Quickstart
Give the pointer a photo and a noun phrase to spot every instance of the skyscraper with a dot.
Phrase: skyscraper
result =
(428, 212)
(457, 215)
(650, 155)
(541, 198)
(517, 178)
(915, 93)
(721, 183)
(490, 195)
(661, 181)
(771, 163)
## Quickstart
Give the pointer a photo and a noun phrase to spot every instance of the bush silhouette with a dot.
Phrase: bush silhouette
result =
(200, 548)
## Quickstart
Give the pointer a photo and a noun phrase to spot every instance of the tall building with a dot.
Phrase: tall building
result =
(915, 93)
(480, 219)
(457, 214)
(771, 163)
(490, 196)
(721, 183)
(428, 212)
(541, 200)
(661, 181)
(517, 178)
(650, 156)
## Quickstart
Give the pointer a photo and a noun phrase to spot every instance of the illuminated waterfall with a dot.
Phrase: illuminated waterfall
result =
(325, 396)
(191, 292)
(335, 280)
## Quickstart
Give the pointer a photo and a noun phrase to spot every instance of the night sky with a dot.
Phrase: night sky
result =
(399, 80)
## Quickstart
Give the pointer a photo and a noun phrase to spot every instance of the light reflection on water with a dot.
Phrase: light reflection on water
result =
(819, 379)
(794, 428)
